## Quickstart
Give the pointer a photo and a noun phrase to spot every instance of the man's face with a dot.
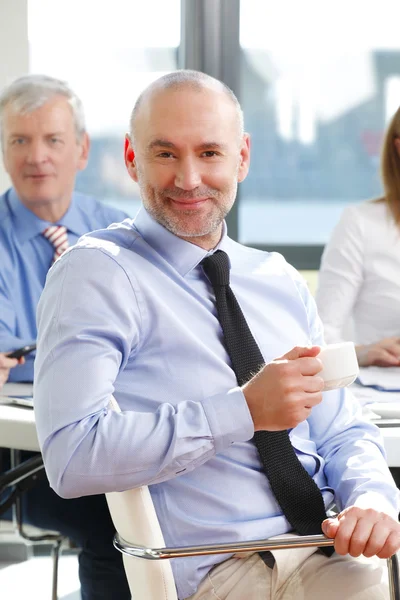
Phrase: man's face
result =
(189, 156)
(42, 154)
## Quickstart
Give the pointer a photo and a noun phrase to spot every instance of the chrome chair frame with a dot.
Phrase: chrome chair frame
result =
(134, 517)
(137, 551)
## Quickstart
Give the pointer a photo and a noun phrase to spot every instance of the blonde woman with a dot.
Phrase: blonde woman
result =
(359, 280)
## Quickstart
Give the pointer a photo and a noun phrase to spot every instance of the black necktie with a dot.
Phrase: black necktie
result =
(294, 489)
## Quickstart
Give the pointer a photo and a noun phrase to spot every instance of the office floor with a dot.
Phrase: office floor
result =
(26, 570)
(31, 579)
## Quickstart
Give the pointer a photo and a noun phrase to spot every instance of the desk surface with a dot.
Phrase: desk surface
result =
(17, 424)
(17, 430)
(16, 389)
(391, 441)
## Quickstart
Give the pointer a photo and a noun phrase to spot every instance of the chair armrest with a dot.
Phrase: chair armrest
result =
(138, 551)
(305, 541)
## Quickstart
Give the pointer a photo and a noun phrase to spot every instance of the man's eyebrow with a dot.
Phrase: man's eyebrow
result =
(211, 146)
(157, 143)
(160, 143)
(15, 134)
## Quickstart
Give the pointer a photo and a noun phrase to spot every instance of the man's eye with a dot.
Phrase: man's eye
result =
(55, 140)
(210, 153)
(18, 141)
(165, 154)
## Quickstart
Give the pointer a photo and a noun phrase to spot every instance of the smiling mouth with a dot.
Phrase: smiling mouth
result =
(188, 203)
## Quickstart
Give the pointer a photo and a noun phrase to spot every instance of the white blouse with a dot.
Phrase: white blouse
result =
(359, 279)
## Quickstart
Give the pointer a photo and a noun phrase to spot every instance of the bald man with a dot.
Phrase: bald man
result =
(140, 322)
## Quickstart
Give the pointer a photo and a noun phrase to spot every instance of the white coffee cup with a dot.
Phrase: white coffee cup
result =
(340, 365)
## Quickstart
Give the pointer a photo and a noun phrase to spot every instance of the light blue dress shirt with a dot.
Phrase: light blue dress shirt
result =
(128, 311)
(25, 258)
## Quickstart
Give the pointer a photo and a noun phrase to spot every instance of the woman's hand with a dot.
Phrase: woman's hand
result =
(385, 353)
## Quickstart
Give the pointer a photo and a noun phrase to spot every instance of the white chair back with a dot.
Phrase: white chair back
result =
(135, 518)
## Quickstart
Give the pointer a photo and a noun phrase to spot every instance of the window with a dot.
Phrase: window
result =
(318, 84)
(107, 52)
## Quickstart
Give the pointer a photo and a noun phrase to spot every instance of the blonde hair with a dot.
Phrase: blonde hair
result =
(390, 168)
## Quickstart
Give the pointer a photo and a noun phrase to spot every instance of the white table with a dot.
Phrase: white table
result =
(17, 428)
(391, 440)
(391, 410)
(17, 424)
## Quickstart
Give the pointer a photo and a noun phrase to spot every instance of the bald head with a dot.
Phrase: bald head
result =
(188, 152)
(180, 81)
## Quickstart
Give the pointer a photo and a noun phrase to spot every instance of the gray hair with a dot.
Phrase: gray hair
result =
(31, 92)
(195, 80)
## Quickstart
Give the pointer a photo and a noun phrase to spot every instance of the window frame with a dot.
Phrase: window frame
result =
(210, 42)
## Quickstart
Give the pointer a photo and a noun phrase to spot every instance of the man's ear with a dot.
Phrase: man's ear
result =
(84, 149)
(129, 156)
(244, 158)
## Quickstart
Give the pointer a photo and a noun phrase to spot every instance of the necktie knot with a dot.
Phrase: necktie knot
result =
(57, 236)
(217, 267)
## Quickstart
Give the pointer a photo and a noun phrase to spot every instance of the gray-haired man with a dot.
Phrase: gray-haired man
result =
(45, 144)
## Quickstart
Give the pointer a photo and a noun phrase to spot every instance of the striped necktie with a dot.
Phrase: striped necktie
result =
(57, 236)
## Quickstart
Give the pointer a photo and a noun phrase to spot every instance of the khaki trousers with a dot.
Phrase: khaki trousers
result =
(298, 574)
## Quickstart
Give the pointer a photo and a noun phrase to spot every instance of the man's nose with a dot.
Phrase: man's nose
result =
(37, 152)
(188, 175)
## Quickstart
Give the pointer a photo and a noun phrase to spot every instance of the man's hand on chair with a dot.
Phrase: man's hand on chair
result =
(364, 531)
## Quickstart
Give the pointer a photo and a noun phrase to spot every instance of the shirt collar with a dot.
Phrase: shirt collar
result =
(28, 225)
(182, 255)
